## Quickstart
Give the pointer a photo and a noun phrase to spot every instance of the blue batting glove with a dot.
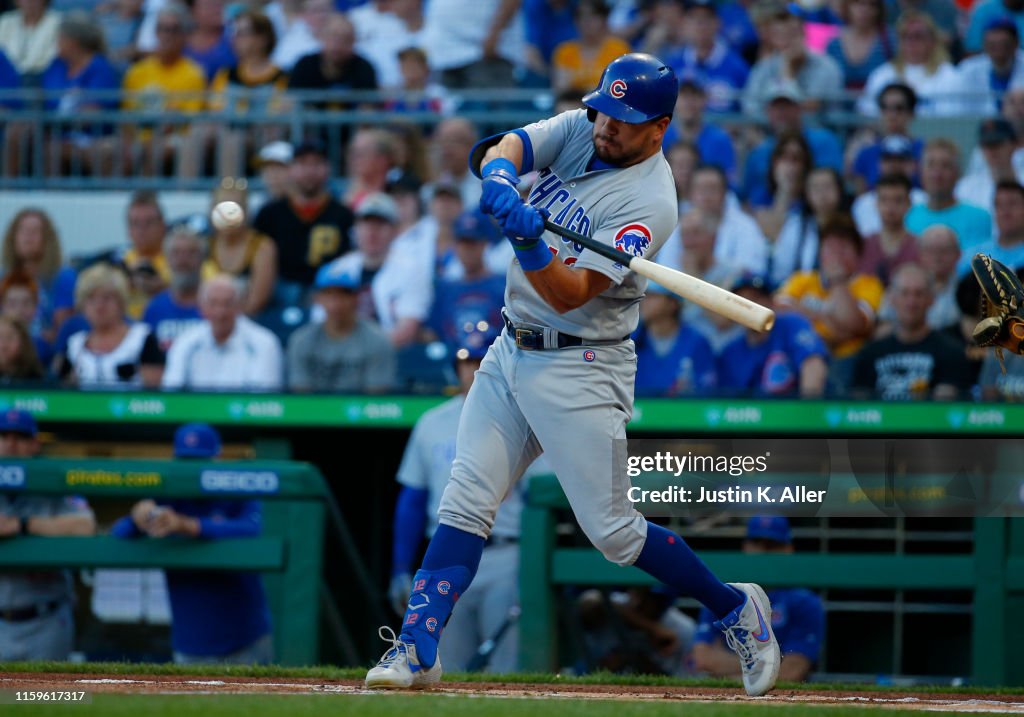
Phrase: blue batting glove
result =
(500, 195)
(525, 222)
(523, 228)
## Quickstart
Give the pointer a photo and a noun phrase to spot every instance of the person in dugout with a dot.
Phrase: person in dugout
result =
(216, 617)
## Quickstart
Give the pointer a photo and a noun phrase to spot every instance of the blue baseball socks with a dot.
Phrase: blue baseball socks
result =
(449, 565)
(667, 557)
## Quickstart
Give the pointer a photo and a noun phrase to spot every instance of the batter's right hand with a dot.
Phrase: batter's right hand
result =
(398, 592)
(499, 196)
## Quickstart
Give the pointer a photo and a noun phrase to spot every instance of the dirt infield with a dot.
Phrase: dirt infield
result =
(178, 684)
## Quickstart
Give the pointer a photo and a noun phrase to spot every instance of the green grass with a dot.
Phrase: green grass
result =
(329, 673)
(327, 705)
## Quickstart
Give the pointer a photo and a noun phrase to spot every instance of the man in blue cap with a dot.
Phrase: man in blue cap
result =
(798, 617)
(216, 616)
(343, 353)
(36, 621)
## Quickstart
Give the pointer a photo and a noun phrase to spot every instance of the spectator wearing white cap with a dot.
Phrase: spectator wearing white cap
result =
(396, 286)
(273, 162)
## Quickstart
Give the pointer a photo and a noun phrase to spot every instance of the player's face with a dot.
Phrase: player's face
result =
(623, 144)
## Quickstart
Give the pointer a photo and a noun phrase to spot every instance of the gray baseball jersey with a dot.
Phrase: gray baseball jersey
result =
(634, 209)
(571, 405)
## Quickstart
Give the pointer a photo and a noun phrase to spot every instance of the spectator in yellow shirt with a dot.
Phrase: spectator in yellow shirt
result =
(253, 85)
(840, 302)
(164, 82)
(577, 64)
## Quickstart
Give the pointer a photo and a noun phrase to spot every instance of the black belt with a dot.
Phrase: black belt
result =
(533, 339)
(496, 540)
(29, 613)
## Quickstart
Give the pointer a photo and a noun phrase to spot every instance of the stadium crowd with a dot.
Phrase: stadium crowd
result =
(353, 277)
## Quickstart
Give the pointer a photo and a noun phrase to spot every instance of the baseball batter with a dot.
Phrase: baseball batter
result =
(559, 380)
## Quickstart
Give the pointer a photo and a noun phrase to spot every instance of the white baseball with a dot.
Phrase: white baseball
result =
(227, 215)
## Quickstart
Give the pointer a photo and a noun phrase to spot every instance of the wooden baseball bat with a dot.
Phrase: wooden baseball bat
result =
(711, 297)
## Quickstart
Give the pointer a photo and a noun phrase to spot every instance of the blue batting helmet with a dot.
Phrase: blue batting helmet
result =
(635, 88)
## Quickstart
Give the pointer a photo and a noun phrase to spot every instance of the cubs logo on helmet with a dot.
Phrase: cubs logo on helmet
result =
(618, 88)
(633, 239)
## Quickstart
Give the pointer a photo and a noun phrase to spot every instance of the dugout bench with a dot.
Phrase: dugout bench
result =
(289, 552)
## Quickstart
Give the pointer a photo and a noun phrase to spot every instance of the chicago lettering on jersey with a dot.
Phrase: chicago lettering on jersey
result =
(550, 193)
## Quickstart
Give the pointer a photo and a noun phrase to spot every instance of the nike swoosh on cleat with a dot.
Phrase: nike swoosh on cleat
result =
(763, 635)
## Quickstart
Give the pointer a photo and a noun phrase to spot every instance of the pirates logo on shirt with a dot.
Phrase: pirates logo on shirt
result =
(633, 239)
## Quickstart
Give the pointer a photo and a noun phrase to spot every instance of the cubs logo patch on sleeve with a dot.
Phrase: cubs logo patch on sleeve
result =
(633, 239)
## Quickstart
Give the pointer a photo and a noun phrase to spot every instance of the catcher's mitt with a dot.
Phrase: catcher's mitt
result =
(1002, 300)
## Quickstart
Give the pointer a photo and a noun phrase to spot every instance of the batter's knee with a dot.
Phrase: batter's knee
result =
(621, 541)
(466, 507)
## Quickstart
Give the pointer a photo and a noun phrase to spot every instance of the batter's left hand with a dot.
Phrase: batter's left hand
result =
(524, 222)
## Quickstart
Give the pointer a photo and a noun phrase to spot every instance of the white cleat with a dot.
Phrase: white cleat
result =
(748, 633)
(399, 667)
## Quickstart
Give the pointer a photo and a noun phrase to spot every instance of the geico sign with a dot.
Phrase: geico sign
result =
(12, 476)
(239, 481)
